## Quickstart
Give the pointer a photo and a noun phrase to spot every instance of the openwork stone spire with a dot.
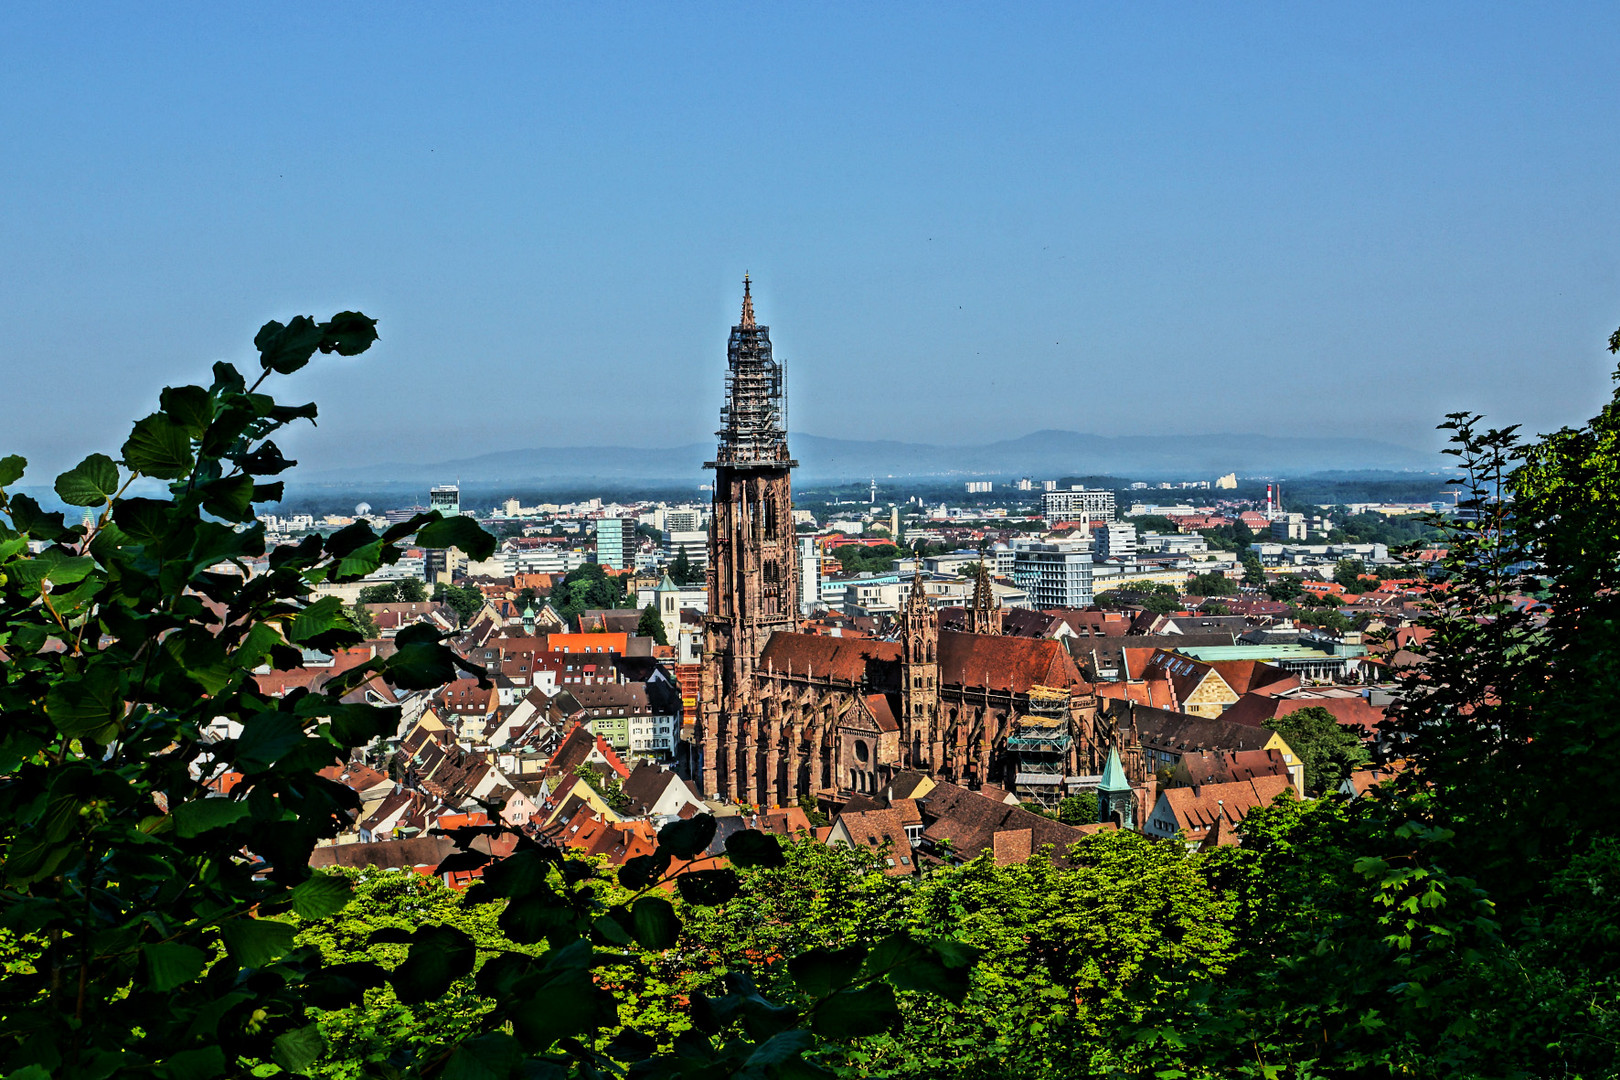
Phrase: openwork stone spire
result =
(748, 306)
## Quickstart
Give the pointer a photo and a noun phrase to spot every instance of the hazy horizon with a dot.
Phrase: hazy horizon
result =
(963, 225)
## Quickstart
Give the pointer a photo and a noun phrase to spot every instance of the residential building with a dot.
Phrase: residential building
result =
(683, 519)
(446, 499)
(1207, 814)
(809, 575)
(1054, 573)
(1115, 540)
(695, 542)
(614, 537)
(1077, 504)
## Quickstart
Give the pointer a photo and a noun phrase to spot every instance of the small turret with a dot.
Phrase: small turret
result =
(1114, 793)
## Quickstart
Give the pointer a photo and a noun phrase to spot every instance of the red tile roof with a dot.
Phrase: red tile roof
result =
(841, 659)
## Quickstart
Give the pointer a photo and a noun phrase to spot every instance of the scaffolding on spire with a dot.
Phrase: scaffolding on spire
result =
(753, 420)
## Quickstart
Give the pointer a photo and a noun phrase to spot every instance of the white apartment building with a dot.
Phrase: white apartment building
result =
(1116, 540)
(1077, 504)
(1054, 573)
(695, 542)
(809, 575)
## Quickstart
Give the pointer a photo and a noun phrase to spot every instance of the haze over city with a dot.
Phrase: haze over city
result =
(962, 228)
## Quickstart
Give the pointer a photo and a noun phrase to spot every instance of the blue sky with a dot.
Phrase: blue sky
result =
(966, 222)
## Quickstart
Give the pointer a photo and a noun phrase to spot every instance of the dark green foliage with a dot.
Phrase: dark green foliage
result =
(587, 588)
(1348, 572)
(1213, 583)
(465, 600)
(1153, 523)
(1080, 809)
(857, 558)
(145, 941)
(1159, 598)
(682, 572)
(1286, 587)
(605, 785)
(1327, 750)
(652, 625)
(363, 621)
(403, 591)
(1374, 528)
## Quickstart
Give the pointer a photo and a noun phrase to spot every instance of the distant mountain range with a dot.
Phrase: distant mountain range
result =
(1041, 454)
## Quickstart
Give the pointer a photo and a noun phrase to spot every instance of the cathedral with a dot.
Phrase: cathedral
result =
(785, 714)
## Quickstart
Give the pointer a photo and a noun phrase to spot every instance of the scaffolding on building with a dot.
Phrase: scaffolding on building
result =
(1039, 747)
(753, 420)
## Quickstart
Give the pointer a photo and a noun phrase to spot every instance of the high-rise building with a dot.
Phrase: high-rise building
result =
(809, 575)
(446, 499)
(753, 560)
(683, 519)
(1116, 540)
(694, 543)
(1077, 504)
(611, 542)
(1055, 573)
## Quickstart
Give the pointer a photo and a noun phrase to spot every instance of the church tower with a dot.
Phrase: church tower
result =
(753, 569)
(984, 617)
(919, 677)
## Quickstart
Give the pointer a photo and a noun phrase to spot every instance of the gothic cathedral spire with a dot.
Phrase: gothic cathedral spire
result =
(753, 570)
(985, 615)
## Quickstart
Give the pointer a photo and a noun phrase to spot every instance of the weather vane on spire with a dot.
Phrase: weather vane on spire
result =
(748, 305)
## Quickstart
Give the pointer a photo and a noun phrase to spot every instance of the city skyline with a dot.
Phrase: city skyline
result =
(961, 229)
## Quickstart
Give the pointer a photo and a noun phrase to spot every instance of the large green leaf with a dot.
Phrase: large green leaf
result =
(457, 532)
(781, 1047)
(708, 887)
(339, 985)
(189, 406)
(655, 923)
(89, 483)
(267, 738)
(316, 619)
(256, 943)
(11, 468)
(749, 848)
(637, 873)
(521, 874)
(821, 971)
(488, 1057)
(199, 1063)
(147, 521)
(285, 349)
(348, 333)
(169, 964)
(159, 447)
(439, 956)
(848, 1014)
(199, 815)
(687, 839)
(530, 919)
(418, 665)
(230, 497)
(565, 1005)
(88, 704)
(358, 563)
(298, 1049)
